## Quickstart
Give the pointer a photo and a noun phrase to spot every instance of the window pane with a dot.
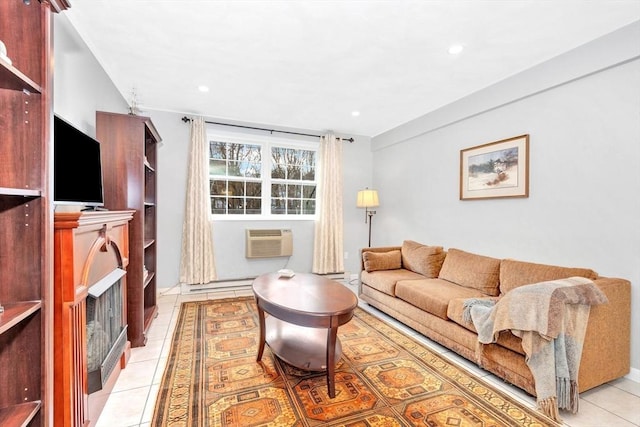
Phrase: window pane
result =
(236, 188)
(293, 172)
(217, 150)
(278, 172)
(278, 190)
(219, 188)
(278, 206)
(308, 173)
(234, 168)
(306, 157)
(294, 191)
(251, 170)
(254, 206)
(308, 207)
(234, 151)
(254, 189)
(236, 205)
(309, 191)
(278, 155)
(249, 153)
(294, 207)
(217, 167)
(218, 205)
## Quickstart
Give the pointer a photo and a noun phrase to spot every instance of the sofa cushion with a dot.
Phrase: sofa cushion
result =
(506, 339)
(472, 271)
(374, 261)
(433, 295)
(423, 259)
(455, 312)
(517, 273)
(385, 280)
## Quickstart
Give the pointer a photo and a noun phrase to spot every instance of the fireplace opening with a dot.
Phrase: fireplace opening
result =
(106, 332)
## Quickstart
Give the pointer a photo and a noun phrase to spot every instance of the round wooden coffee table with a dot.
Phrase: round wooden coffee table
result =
(305, 313)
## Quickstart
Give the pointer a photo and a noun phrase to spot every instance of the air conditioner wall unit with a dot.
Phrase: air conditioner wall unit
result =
(268, 243)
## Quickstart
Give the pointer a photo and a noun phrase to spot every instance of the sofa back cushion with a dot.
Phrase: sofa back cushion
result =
(423, 259)
(375, 261)
(433, 295)
(517, 273)
(472, 271)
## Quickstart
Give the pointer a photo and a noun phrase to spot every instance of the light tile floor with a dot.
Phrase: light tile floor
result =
(133, 398)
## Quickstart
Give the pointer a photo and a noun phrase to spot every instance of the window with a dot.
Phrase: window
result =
(293, 181)
(261, 177)
(235, 178)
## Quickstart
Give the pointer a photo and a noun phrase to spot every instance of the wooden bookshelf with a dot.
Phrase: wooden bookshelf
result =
(26, 246)
(129, 146)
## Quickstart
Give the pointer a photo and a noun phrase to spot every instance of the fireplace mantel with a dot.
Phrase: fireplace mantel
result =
(88, 247)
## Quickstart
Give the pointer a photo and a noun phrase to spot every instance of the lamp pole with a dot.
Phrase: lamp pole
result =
(370, 215)
(368, 199)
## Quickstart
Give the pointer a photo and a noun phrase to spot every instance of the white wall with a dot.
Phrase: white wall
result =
(80, 85)
(582, 112)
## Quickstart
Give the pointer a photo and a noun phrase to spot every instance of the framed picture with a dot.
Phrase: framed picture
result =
(495, 170)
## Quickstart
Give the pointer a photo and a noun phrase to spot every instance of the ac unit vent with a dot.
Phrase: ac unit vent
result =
(268, 243)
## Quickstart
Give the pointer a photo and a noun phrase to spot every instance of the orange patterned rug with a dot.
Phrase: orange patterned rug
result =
(384, 379)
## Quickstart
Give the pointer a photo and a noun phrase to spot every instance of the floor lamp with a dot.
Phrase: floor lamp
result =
(368, 199)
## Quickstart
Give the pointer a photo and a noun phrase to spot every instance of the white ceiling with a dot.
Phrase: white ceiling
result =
(309, 64)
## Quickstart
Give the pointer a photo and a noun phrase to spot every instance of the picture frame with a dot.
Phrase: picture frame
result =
(495, 170)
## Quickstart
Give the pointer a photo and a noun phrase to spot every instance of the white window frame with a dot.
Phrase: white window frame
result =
(266, 142)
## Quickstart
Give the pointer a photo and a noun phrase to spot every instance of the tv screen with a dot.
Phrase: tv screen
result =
(77, 168)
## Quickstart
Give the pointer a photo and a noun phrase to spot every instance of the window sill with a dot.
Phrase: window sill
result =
(252, 218)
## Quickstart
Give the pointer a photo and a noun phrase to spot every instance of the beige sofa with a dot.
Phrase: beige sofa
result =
(425, 288)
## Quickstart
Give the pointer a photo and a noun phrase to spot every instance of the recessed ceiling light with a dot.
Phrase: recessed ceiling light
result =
(455, 49)
(203, 88)
(355, 113)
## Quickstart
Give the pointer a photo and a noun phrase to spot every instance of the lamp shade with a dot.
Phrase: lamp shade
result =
(367, 199)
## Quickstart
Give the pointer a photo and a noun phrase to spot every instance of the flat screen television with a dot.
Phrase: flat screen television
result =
(77, 167)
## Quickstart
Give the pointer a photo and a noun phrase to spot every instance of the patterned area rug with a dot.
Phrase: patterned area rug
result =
(384, 379)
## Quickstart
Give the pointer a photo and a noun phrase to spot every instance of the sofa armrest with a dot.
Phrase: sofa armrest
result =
(606, 353)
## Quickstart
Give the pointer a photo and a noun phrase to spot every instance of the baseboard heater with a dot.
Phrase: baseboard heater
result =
(268, 243)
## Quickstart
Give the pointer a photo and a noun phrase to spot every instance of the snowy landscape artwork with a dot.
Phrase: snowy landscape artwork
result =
(496, 169)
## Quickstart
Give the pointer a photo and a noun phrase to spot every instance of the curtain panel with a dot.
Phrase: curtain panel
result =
(328, 242)
(197, 264)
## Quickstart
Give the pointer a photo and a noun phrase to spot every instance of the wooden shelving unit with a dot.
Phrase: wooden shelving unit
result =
(26, 246)
(129, 146)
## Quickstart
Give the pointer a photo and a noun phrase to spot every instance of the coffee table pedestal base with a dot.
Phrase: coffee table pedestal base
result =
(300, 346)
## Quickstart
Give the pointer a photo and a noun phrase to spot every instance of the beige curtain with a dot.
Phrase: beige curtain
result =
(328, 243)
(197, 265)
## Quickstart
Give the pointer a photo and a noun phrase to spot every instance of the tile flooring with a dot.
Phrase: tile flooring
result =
(133, 398)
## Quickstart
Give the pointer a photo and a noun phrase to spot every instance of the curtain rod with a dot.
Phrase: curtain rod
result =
(187, 119)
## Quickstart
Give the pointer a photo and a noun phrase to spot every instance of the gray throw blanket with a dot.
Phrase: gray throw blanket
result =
(551, 319)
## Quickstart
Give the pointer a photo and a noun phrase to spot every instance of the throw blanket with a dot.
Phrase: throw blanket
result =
(551, 318)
